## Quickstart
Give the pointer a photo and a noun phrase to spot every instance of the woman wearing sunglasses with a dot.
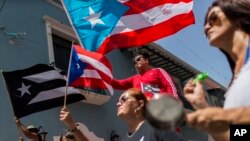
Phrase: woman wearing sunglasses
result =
(227, 27)
(131, 107)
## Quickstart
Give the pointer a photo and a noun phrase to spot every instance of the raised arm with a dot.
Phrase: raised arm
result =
(65, 117)
(123, 84)
(25, 131)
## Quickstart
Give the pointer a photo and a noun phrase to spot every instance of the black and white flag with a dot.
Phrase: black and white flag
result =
(38, 88)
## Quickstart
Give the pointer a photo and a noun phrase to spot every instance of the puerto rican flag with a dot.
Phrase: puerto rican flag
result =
(89, 70)
(38, 88)
(104, 25)
(149, 90)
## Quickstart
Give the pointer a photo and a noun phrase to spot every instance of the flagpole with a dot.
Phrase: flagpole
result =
(68, 73)
(20, 135)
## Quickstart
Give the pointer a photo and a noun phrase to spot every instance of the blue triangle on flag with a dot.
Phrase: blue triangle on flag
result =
(76, 67)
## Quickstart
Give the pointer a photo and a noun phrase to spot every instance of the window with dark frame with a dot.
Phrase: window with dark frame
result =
(61, 48)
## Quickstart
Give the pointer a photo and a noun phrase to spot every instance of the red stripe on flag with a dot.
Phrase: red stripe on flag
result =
(98, 73)
(89, 83)
(138, 6)
(147, 35)
(103, 75)
(94, 55)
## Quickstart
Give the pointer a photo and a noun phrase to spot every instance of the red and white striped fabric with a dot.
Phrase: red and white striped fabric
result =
(97, 74)
(147, 21)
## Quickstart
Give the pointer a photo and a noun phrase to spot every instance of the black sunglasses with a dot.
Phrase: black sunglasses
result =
(213, 18)
(123, 99)
(137, 59)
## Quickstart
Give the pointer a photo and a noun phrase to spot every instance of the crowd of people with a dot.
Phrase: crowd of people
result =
(227, 27)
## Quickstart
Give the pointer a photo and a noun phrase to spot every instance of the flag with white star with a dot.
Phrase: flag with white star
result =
(89, 70)
(38, 88)
(105, 25)
(93, 21)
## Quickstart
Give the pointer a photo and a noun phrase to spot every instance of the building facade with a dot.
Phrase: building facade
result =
(33, 32)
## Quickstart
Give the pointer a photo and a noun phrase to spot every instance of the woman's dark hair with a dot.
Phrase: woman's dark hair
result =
(229, 59)
(144, 54)
(68, 134)
(237, 11)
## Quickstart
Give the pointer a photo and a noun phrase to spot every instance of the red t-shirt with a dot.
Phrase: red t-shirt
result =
(155, 80)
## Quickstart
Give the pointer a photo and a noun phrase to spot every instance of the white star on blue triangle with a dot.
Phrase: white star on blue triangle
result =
(24, 89)
(94, 20)
(76, 67)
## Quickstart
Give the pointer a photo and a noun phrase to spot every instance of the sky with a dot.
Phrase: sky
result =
(191, 45)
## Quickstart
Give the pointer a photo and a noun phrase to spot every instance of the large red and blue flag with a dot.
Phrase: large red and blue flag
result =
(89, 70)
(104, 25)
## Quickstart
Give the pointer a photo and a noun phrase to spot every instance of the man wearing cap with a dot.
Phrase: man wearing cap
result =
(31, 132)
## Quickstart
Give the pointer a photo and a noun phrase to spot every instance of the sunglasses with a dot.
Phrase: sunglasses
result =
(124, 98)
(213, 18)
(137, 59)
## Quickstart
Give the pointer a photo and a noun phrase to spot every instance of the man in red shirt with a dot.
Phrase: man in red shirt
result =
(149, 80)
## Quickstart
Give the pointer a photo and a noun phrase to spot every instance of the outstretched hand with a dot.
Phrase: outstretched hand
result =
(65, 117)
(195, 94)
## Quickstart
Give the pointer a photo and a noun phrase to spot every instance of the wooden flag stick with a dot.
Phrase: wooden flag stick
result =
(67, 81)
(65, 96)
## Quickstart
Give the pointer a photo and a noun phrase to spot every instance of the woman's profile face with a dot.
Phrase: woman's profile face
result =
(218, 28)
(126, 105)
